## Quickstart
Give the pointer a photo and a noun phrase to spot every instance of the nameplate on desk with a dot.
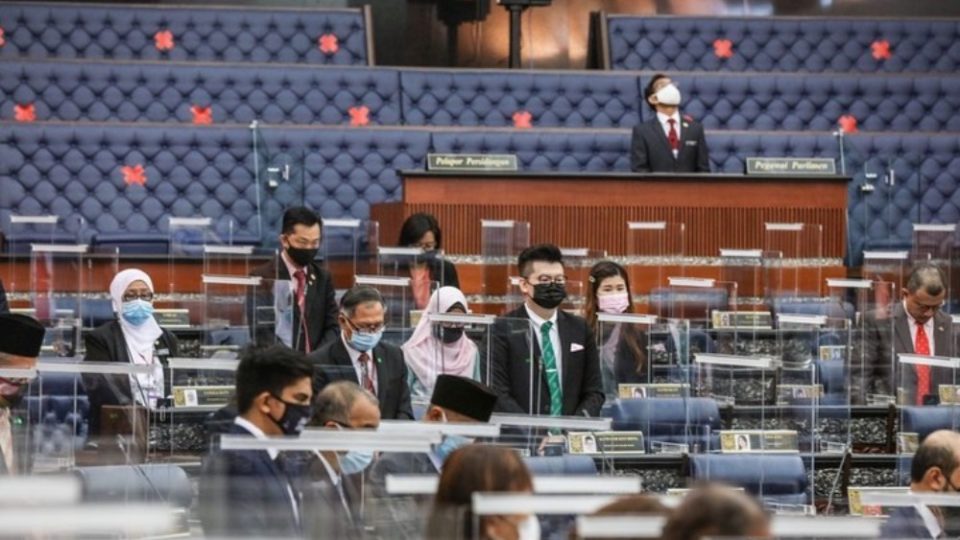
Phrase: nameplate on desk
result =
(907, 442)
(855, 497)
(742, 441)
(652, 390)
(791, 166)
(172, 318)
(833, 353)
(472, 162)
(605, 443)
(949, 394)
(787, 393)
(742, 319)
(194, 396)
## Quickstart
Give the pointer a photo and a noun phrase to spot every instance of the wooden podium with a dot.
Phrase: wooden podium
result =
(592, 209)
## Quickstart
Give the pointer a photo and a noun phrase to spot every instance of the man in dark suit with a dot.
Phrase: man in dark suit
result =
(4, 306)
(668, 142)
(563, 354)
(935, 469)
(332, 484)
(296, 304)
(359, 355)
(250, 493)
(918, 327)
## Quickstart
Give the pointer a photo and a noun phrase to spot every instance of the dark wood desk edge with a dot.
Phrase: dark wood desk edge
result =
(690, 177)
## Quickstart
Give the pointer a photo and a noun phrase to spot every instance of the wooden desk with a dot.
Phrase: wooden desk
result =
(592, 209)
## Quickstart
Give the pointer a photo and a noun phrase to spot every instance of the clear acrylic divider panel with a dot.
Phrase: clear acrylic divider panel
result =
(889, 266)
(198, 387)
(928, 395)
(655, 251)
(228, 323)
(272, 310)
(935, 244)
(20, 232)
(56, 295)
(227, 260)
(24, 415)
(800, 246)
(745, 268)
(698, 300)
(449, 343)
(186, 236)
(95, 307)
(501, 241)
(870, 306)
(350, 243)
(402, 313)
(578, 261)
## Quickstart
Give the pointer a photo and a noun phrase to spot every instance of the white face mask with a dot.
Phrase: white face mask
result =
(529, 529)
(668, 95)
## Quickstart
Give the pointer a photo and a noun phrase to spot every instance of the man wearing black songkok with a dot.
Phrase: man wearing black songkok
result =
(20, 341)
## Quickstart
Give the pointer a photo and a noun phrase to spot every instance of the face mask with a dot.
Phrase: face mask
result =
(295, 417)
(354, 462)
(449, 444)
(549, 295)
(668, 95)
(529, 529)
(363, 341)
(136, 312)
(613, 303)
(302, 256)
(447, 335)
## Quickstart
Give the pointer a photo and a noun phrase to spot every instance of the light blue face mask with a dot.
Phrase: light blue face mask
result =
(355, 462)
(363, 341)
(137, 312)
(449, 444)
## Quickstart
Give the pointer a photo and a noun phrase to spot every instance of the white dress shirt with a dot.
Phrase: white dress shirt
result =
(930, 521)
(927, 327)
(554, 337)
(355, 360)
(665, 124)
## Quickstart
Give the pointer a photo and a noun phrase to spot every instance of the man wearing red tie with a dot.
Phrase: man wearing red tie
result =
(918, 328)
(668, 142)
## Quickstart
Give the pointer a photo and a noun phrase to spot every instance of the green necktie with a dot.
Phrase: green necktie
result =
(550, 366)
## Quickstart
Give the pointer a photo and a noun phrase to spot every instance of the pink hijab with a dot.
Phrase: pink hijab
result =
(428, 356)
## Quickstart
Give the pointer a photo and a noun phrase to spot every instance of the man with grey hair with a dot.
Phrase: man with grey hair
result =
(360, 356)
(918, 327)
(334, 480)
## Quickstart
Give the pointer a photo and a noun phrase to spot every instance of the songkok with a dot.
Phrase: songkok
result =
(20, 335)
(464, 396)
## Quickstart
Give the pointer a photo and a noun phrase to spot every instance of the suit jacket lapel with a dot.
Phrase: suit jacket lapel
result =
(382, 378)
(660, 136)
(563, 326)
(341, 360)
(901, 328)
(942, 335)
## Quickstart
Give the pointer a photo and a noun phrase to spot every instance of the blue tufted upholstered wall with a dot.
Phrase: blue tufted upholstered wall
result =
(221, 33)
(166, 92)
(76, 170)
(799, 102)
(783, 44)
(492, 97)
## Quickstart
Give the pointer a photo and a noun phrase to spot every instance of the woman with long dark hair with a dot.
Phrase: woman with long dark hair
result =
(623, 354)
(422, 231)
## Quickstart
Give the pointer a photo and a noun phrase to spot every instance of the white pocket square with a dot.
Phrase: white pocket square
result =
(574, 347)
(690, 143)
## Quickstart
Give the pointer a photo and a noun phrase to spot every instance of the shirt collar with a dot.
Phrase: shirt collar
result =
(291, 266)
(334, 475)
(538, 320)
(351, 352)
(930, 520)
(663, 118)
(913, 322)
(256, 432)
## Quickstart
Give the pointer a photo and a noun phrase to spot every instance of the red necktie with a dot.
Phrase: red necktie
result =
(366, 373)
(922, 346)
(301, 278)
(672, 137)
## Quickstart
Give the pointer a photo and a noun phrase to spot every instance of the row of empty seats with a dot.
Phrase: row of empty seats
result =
(787, 44)
(186, 33)
(120, 183)
(232, 93)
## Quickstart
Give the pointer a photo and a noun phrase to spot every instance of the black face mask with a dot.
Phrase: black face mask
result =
(448, 335)
(549, 295)
(295, 417)
(302, 256)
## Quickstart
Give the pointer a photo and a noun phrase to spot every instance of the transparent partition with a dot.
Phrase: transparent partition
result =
(411, 264)
(543, 440)
(699, 300)
(350, 242)
(934, 244)
(198, 388)
(794, 267)
(449, 343)
(228, 322)
(928, 393)
(20, 417)
(655, 251)
(745, 268)
(19, 233)
(872, 309)
(640, 356)
(577, 263)
(889, 266)
(188, 235)
(402, 312)
(222, 260)
(501, 241)
(57, 292)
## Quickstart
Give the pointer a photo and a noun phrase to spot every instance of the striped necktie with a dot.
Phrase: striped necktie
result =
(549, 359)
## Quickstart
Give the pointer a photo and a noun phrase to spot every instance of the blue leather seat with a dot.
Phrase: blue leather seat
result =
(235, 94)
(561, 465)
(207, 34)
(492, 97)
(926, 420)
(136, 483)
(58, 412)
(780, 479)
(692, 421)
(782, 44)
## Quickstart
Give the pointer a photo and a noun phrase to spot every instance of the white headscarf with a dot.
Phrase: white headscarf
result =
(140, 339)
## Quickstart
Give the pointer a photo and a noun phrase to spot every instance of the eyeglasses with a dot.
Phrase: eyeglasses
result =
(368, 329)
(131, 296)
(546, 280)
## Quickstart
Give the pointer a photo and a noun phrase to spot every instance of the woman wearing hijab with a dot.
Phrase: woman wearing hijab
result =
(436, 349)
(134, 338)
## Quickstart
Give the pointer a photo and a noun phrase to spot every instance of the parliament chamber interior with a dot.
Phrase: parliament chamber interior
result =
(693, 280)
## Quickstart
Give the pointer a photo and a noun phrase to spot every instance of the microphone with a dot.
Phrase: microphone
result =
(839, 134)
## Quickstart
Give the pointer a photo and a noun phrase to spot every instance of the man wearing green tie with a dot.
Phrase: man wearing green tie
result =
(553, 347)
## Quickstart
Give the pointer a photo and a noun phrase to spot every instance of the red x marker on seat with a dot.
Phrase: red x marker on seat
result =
(522, 119)
(848, 123)
(202, 115)
(24, 113)
(723, 48)
(359, 116)
(328, 44)
(134, 175)
(163, 40)
(881, 49)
